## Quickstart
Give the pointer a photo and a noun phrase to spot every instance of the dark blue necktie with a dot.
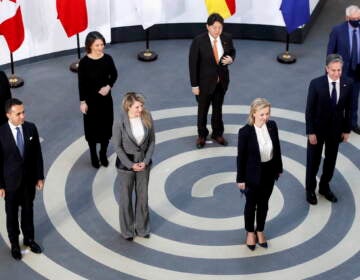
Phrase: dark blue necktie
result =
(354, 51)
(20, 141)
(333, 95)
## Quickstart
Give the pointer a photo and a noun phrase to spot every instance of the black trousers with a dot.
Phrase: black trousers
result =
(216, 100)
(22, 198)
(313, 159)
(257, 199)
(103, 149)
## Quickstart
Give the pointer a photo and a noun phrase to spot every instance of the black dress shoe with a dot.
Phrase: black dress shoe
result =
(251, 246)
(356, 129)
(104, 161)
(329, 196)
(129, 238)
(147, 236)
(311, 198)
(15, 252)
(34, 247)
(220, 140)
(200, 142)
(95, 163)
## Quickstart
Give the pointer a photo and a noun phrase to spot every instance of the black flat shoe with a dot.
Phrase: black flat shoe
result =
(329, 195)
(95, 164)
(34, 247)
(16, 252)
(103, 160)
(311, 198)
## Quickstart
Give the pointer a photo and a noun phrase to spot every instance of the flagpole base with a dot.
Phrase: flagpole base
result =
(147, 55)
(15, 81)
(286, 58)
(74, 67)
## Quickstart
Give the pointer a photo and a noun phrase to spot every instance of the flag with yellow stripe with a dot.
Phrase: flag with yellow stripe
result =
(226, 8)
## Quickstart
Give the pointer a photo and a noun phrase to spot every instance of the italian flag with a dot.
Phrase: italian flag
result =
(226, 8)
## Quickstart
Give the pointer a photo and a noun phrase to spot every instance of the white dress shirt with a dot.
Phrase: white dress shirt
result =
(265, 143)
(337, 86)
(137, 129)
(14, 131)
(219, 46)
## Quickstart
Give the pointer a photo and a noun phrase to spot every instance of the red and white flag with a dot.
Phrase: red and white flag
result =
(11, 24)
(72, 15)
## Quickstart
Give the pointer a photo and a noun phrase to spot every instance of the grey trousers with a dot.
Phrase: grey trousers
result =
(130, 221)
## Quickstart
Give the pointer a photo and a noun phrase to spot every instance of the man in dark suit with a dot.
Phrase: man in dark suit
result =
(327, 123)
(21, 171)
(5, 94)
(210, 55)
(345, 40)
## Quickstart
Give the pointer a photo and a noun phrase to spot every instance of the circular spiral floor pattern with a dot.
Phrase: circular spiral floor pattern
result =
(196, 213)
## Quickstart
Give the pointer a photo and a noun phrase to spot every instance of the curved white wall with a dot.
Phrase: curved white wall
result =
(44, 33)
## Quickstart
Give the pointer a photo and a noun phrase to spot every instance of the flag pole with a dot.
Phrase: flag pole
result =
(14, 80)
(147, 55)
(286, 57)
(75, 65)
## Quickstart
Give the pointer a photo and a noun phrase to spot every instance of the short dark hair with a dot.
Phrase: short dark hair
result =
(91, 38)
(12, 102)
(334, 57)
(213, 18)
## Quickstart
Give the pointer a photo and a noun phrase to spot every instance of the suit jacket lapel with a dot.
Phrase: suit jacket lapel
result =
(128, 129)
(210, 48)
(253, 139)
(12, 141)
(346, 38)
(26, 135)
(146, 132)
(343, 87)
(271, 132)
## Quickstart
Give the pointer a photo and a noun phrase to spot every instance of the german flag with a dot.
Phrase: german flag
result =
(226, 8)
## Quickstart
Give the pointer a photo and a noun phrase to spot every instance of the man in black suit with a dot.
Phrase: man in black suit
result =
(210, 55)
(328, 122)
(345, 40)
(21, 171)
(5, 94)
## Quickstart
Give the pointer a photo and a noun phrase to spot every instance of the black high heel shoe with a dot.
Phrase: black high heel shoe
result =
(251, 246)
(264, 244)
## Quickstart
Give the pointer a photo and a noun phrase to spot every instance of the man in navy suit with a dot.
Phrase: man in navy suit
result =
(328, 123)
(345, 40)
(21, 171)
(210, 54)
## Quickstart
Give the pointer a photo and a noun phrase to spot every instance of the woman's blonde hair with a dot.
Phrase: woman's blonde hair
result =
(129, 99)
(257, 104)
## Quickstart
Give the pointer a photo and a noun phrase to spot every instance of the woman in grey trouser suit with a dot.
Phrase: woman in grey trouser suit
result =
(134, 141)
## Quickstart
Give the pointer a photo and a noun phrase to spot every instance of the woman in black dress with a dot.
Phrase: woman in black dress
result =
(5, 94)
(97, 75)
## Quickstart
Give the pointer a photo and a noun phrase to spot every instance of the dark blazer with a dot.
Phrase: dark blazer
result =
(127, 149)
(339, 43)
(248, 158)
(320, 117)
(204, 71)
(5, 94)
(15, 169)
